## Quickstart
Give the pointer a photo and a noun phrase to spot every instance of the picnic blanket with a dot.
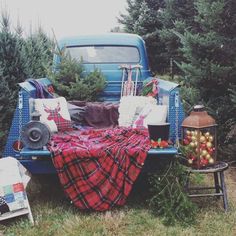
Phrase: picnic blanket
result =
(97, 168)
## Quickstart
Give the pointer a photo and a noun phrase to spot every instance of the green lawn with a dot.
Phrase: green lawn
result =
(54, 215)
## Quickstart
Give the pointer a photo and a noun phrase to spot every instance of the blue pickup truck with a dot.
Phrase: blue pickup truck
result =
(109, 53)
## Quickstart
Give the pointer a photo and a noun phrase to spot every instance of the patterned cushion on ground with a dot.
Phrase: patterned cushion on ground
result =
(3, 206)
(54, 112)
(13, 180)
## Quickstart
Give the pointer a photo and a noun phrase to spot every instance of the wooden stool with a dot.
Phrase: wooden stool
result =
(219, 182)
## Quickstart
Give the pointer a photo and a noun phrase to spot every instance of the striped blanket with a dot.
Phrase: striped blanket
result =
(97, 168)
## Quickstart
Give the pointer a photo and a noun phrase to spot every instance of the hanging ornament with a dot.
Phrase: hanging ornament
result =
(202, 139)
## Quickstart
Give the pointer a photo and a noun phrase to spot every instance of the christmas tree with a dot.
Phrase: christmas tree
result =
(143, 18)
(70, 81)
(12, 71)
(38, 52)
(209, 58)
(176, 16)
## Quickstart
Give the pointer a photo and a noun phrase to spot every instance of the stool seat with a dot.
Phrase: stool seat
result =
(219, 166)
(219, 183)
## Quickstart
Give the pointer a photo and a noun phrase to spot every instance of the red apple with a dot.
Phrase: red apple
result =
(186, 141)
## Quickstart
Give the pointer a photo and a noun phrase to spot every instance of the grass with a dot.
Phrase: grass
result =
(54, 215)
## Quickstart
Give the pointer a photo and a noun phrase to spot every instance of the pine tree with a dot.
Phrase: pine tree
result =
(176, 16)
(157, 21)
(209, 57)
(37, 50)
(210, 62)
(143, 19)
(129, 20)
(70, 81)
(229, 147)
(12, 71)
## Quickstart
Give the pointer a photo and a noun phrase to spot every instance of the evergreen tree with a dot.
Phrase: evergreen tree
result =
(143, 19)
(117, 29)
(129, 20)
(157, 21)
(12, 71)
(20, 58)
(37, 50)
(229, 147)
(210, 59)
(176, 16)
(70, 81)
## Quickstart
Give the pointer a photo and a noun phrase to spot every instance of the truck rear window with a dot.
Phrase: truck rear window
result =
(105, 54)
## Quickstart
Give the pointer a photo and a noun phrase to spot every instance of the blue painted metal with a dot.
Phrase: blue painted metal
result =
(169, 95)
(14, 131)
(39, 161)
(39, 166)
(27, 91)
(30, 89)
(163, 151)
(25, 152)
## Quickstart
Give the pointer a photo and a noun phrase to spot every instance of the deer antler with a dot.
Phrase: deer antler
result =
(58, 108)
(47, 109)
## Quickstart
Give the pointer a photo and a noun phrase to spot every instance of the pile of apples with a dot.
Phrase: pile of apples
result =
(159, 143)
(201, 154)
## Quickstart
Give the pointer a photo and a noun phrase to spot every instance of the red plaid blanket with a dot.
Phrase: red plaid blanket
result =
(97, 168)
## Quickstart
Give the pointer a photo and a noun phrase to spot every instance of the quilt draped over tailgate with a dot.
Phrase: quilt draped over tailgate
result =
(97, 168)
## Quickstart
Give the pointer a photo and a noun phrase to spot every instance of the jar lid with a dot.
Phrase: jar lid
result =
(199, 118)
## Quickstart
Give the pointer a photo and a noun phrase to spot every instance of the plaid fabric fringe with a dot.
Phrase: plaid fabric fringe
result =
(97, 168)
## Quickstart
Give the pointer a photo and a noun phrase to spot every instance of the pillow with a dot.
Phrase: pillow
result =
(151, 114)
(130, 108)
(158, 114)
(54, 112)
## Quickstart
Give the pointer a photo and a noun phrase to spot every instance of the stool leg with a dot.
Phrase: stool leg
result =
(225, 200)
(186, 186)
(217, 186)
